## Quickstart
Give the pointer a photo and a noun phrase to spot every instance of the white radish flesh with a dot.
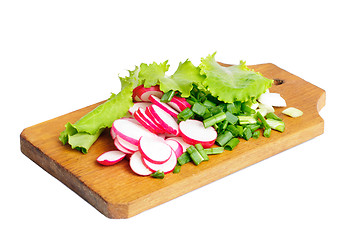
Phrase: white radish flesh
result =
(193, 131)
(165, 107)
(138, 105)
(130, 131)
(127, 145)
(156, 126)
(166, 167)
(113, 134)
(166, 120)
(272, 99)
(120, 147)
(143, 122)
(137, 165)
(179, 104)
(143, 93)
(176, 146)
(154, 120)
(155, 149)
(180, 140)
(110, 157)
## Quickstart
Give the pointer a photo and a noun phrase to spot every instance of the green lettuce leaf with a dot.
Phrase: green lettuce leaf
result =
(153, 73)
(234, 83)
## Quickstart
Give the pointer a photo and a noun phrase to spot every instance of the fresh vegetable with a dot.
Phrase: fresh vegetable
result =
(165, 107)
(176, 146)
(121, 148)
(193, 132)
(158, 174)
(138, 105)
(196, 157)
(292, 112)
(154, 149)
(137, 165)
(164, 119)
(276, 125)
(141, 93)
(127, 145)
(231, 144)
(179, 103)
(214, 150)
(272, 99)
(167, 97)
(165, 167)
(110, 157)
(201, 151)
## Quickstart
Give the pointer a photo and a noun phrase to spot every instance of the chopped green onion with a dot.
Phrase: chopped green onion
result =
(185, 114)
(247, 109)
(208, 104)
(214, 150)
(158, 174)
(183, 159)
(167, 97)
(177, 169)
(276, 125)
(292, 112)
(201, 151)
(267, 132)
(253, 127)
(234, 130)
(231, 118)
(217, 109)
(224, 138)
(231, 144)
(246, 120)
(214, 119)
(272, 115)
(247, 133)
(199, 109)
(195, 155)
(240, 130)
(264, 122)
(256, 134)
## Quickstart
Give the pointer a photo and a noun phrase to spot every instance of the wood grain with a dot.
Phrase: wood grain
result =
(117, 192)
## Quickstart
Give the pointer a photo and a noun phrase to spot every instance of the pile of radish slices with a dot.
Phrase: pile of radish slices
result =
(151, 138)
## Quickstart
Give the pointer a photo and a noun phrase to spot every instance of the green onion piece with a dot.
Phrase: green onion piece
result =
(231, 118)
(246, 120)
(234, 130)
(256, 134)
(199, 109)
(253, 127)
(267, 132)
(167, 97)
(276, 125)
(214, 150)
(208, 104)
(292, 112)
(201, 151)
(177, 169)
(195, 155)
(217, 109)
(185, 114)
(224, 138)
(158, 174)
(247, 109)
(247, 133)
(183, 159)
(265, 124)
(231, 144)
(271, 115)
(240, 130)
(214, 119)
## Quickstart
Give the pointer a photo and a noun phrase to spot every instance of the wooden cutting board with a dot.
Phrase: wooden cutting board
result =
(119, 193)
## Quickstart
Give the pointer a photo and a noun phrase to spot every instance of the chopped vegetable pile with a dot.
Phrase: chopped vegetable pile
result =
(163, 122)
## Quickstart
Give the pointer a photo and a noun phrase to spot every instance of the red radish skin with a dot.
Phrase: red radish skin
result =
(165, 107)
(137, 166)
(176, 146)
(179, 103)
(121, 148)
(111, 157)
(166, 167)
(155, 149)
(167, 121)
(143, 93)
(181, 141)
(113, 134)
(127, 145)
(144, 123)
(138, 105)
(130, 131)
(149, 114)
(143, 114)
(193, 132)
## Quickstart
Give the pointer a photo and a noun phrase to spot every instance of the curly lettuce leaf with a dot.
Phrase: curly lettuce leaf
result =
(234, 83)
(153, 73)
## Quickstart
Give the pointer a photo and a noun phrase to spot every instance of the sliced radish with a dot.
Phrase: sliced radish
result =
(113, 134)
(137, 165)
(179, 103)
(138, 105)
(272, 99)
(130, 131)
(155, 149)
(143, 122)
(143, 93)
(166, 167)
(155, 100)
(176, 146)
(121, 148)
(143, 114)
(166, 120)
(127, 145)
(110, 157)
(193, 132)
(180, 140)
(154, 120)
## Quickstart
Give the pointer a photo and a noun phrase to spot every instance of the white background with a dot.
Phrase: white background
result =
(59, 56)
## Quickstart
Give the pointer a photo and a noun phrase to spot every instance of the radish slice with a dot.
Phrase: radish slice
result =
(166, 167)
(143, 114)
(113, 134)
(167, 121)
(272, 99)
(144, 123)
(137, 165)
(176, 146)
(110, 157)
(155, 149)
(121, 148)
(130, 131)
(154, 120)
(127, 145)
(180, 140)
(155, 100)
(193, 132)
(143, 93)
(138, 105)
(179, 103)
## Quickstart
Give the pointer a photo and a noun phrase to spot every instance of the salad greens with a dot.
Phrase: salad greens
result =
(220, 94)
